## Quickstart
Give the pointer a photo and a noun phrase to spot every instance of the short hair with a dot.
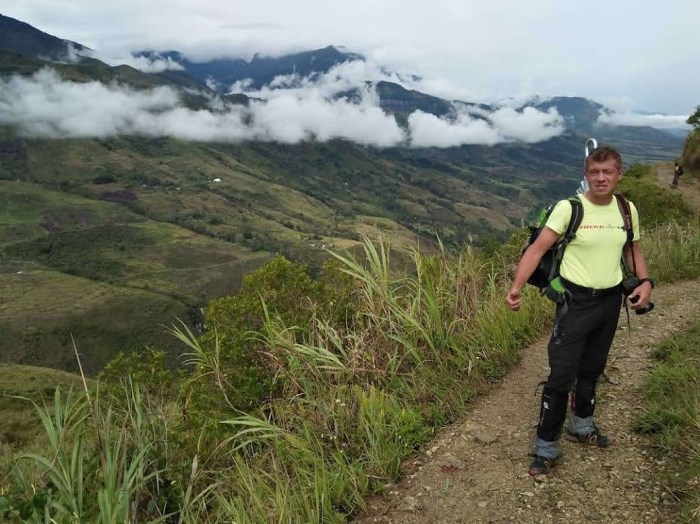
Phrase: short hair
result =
(603, 154)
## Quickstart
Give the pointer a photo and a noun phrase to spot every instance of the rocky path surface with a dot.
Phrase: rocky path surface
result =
(475, 471)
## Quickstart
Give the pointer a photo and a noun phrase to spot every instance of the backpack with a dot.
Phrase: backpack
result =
(545, 274)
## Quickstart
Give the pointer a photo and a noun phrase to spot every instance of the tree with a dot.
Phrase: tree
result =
(694, 119)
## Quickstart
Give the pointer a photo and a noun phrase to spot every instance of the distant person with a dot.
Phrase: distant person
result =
(591, 273)
(677, 174)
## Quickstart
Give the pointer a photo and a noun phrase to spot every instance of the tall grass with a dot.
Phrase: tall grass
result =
(673, 251)
(100, 464)
(359, 397)
(672, 415)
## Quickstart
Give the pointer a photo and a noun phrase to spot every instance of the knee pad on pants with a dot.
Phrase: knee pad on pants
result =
(552, 414)
(583, 397)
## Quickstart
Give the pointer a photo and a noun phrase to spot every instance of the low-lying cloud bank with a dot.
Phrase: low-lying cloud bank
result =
(637, 120)
(289, 111)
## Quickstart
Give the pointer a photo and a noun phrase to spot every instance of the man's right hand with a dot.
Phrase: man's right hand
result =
(513, 299)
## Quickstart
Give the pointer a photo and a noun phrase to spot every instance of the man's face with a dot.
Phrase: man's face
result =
(602, 177)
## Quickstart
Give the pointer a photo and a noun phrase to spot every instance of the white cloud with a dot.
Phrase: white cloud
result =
(443, 88)
(529, 125)
(289, 118)
(46, 106)
(428, 130)
(503, 125)
(636, 119)
(342, 77)
(155, 64)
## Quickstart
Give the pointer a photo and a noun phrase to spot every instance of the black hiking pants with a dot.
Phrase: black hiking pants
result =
(578, 352)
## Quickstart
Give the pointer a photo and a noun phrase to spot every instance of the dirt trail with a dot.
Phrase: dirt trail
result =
(688, 185)
(475, 471)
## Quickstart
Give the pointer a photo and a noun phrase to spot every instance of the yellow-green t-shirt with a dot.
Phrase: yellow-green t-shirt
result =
(592, 258)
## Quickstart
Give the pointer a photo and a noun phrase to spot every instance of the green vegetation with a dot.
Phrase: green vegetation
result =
(112, 278)
(142, 220)
(670, 241)
(672, 415)
(306, 391)
(20, 386)
(348, 370)
(694, 119)
(655, 206)
(691, 149)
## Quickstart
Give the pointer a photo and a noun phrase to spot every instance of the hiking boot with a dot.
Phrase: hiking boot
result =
(593, 438)
(541, 466)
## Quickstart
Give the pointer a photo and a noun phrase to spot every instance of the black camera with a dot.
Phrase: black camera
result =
(628, 285)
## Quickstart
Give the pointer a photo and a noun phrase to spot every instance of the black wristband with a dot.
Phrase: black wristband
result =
(646, 279)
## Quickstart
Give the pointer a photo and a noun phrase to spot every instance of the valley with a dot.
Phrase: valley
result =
(111, 236)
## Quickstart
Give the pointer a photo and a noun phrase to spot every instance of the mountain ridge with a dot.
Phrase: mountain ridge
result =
(579, 115)
(23, 38)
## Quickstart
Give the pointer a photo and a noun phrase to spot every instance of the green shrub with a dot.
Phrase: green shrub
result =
(691, 152)
(655, 205)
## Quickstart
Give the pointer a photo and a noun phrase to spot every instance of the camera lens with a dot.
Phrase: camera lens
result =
(645, 309)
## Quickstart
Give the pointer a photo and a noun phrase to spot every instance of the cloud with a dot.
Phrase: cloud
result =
(291, 118)
(468, 125)
(428, 130)
(340, 78)
(482, 127)
(151, 64)
(43, 105)
(528, 125)
(46, 106)
(637, 119)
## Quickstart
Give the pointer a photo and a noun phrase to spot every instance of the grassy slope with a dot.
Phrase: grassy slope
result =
(145, 217)
(70, 264)
(20, 385)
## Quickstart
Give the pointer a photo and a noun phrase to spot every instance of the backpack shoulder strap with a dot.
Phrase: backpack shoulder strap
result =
(568, 236)
(574, 221)
(626, 213)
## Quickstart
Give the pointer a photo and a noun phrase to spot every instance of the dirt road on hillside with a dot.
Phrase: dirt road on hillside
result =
(688, 186)
(475, 471)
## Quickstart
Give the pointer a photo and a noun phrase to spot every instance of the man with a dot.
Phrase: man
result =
(591, 271)
(677, 174)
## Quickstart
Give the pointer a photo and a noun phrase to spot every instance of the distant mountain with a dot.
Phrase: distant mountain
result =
(643, 143)
(580, 114)
(22, 38)
(261, 70)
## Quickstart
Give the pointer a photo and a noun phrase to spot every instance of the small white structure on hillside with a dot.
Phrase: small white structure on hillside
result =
(216, 180)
